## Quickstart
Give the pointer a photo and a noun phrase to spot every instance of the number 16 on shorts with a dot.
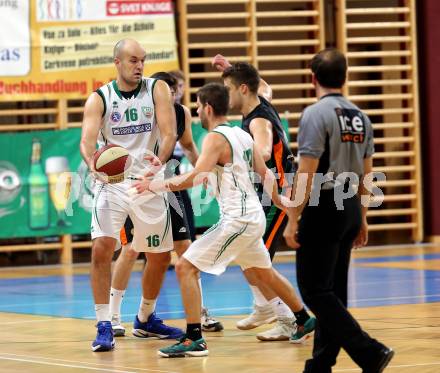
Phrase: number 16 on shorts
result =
(153, 240)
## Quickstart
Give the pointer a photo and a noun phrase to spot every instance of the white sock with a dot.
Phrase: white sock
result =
(102, 312)
(280, 308)
(116, 297)
(259, 298)
(146, 308)
(201, 293)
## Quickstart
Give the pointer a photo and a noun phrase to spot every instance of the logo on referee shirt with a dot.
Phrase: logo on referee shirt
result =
(351, 123)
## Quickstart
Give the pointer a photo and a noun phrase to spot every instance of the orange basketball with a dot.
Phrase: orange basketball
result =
(112, 160)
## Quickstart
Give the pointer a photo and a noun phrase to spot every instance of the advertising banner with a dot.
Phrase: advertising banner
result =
(43, 188)
(52, 49)
(46, 190)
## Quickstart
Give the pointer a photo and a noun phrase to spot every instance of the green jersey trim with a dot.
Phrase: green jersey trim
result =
(229, 241)
(99, 92)
(138, 89)
(152, 90)
(116, 89)
(95, 208)
(118, 92)
(230, 145)
(243, 194)
(167, 225)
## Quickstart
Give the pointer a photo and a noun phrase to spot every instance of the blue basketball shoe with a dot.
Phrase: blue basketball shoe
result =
(104, 338)
(155, 328)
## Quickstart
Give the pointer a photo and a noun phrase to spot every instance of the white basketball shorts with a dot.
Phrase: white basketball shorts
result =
(149, 212)
(231, 240)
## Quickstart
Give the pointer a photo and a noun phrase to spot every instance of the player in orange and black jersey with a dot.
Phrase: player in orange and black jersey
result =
(251, 95)
(281, 163)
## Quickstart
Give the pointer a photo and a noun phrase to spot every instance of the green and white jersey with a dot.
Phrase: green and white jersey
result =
(130, 123)
(235, 189)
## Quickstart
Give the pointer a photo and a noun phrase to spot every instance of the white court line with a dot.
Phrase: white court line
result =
(46, 303)
(39, 320)
(394, 298)
(352, 304)
(40, 360)
(61, 301)
(183, 311)
(370, 248)
(390, 367)
(64, 365)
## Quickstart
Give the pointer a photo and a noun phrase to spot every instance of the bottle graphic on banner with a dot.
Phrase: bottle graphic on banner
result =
(60, 182)
(15, 38)
(38, 191)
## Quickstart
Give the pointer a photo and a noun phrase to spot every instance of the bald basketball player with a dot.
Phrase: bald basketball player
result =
(144, 109)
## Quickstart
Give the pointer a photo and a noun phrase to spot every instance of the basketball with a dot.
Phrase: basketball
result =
(112, 160)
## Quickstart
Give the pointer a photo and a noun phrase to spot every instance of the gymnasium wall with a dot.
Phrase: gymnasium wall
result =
(280, 36)
(429, 61)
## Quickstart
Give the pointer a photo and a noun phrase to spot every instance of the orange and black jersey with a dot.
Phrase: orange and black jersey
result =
(281, 158)
(180, 120)
(180, 130)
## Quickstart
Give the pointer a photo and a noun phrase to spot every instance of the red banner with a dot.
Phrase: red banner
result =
(132, 8)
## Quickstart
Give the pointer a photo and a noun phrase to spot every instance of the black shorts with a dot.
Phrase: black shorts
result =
(276, 221)
(178, 221)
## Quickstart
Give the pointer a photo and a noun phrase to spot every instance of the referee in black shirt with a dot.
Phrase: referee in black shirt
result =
(335, 139)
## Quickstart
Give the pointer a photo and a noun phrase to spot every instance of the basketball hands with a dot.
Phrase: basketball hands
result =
(155, 165)
(144, 182)
(362, 237)
(98, 176)
(141, 186)
(220, 63)
(290, 233)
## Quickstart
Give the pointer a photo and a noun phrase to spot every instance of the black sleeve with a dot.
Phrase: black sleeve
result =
(180, 120)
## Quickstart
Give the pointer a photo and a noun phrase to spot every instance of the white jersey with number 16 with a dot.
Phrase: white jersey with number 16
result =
(130, 123)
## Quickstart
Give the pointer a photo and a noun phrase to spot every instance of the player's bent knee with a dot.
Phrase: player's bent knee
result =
(181, 246)
(184, 267)
(159, 259)
(130, 253)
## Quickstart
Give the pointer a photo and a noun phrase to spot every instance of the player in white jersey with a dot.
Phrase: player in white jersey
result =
(231, 153)
(136, 113)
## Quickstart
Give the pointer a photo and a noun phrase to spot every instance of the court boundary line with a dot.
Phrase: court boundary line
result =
(51, 319)
(390, 367)
(280, 253)
(63, 365)
(40, 360)
(369, 248)
(52, 361)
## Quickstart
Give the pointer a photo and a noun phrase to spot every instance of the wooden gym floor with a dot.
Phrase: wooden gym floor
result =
(46, 317)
